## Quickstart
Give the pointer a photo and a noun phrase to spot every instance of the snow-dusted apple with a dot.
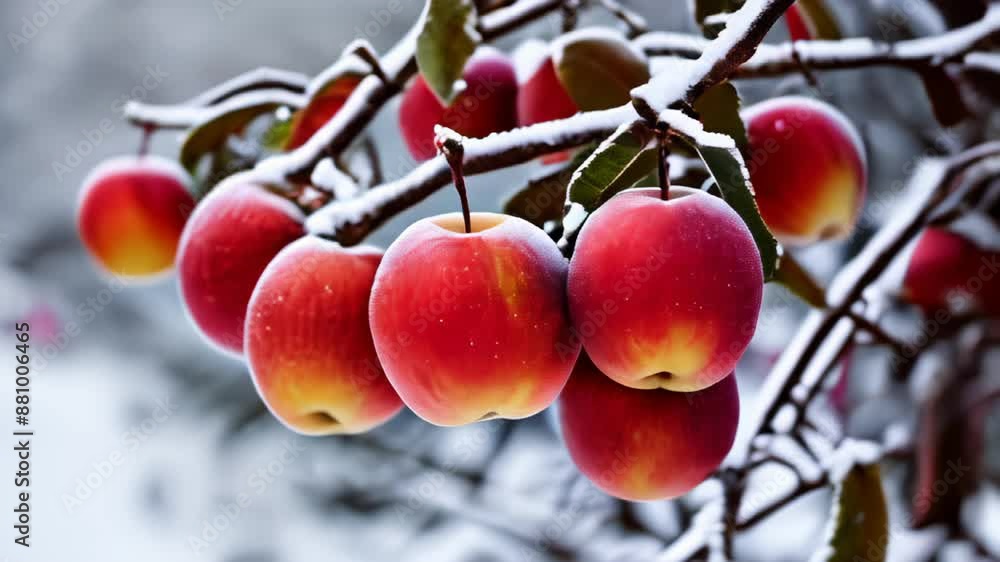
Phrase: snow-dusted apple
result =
(644, 445)
(473, 325)
(229, 240)
(308, 343)
(807, 167)
(131, 213)
(665, 293)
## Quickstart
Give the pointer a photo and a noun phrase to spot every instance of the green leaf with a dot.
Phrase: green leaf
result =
(861, 528)
(445, 43)
(719, 109)
(210, 136)
(621, 160)
(726, 167)
(599, 68)
(820, 20)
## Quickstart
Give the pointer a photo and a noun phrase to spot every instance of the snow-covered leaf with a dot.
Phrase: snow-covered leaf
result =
(719, 109)
(598, 67)
(209, 137)
(447, 40)
(724, 162)
(620, 161)
(860, 526)
(323, 105)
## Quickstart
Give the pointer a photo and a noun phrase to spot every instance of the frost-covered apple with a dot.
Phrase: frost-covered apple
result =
(807, 167)
(232, 235)
(470, 326)
(665, 293)
(644, 445)
(131, 213)
(308, 343)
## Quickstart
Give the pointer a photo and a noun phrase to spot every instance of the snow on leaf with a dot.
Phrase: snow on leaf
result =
(859, 523)
(208, 136)
(447, 39)
(621, 160)
(719, 109)
(724, 162)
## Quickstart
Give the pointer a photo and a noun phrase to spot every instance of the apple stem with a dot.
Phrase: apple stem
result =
(663, 166)
(147, 134)
(454, 153)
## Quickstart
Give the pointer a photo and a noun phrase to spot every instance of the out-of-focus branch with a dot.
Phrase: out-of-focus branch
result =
(955, 46)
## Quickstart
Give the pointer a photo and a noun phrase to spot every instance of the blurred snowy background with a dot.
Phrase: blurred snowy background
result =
(151, 446)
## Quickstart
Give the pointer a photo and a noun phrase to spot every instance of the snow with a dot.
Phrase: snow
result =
(786, 448)
(693, 129)
(262, 74)
(952, 44)
(326, 175)
(706, 529)
(345, 65)
(528, 57)
(784, 420)
(186, 116)
(983, 61)
(851, 453)
(435, 172)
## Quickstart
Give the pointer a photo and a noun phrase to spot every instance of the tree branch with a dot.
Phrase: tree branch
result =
(955, 46)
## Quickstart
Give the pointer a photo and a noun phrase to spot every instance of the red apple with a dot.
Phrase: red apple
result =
(487, 105)
(642, 445)
(308, 343)
(665, 294)
(543, 96)
(232, 235)
(807, 167)
(950, 272)
(131, 213)
(470, 326)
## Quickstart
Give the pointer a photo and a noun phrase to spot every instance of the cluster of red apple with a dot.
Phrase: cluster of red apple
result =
(464, 323)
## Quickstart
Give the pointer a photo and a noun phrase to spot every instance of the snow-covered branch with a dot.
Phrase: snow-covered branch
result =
(955, 46)
(351, 220)
(186, 116)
